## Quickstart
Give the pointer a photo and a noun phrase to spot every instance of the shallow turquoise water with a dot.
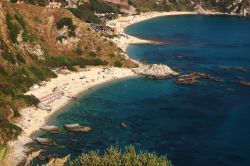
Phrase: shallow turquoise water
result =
(204, 124)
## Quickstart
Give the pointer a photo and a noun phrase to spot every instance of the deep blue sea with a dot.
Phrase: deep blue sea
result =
(207, 124)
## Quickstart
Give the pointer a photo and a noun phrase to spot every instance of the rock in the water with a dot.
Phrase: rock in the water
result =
(242, 69)
(194, 78)
(42, 157)
(190, 78)
(45, 141)
(77, 128)
(50, 129)
(155, 71)
(245, 83)
(123, 125)
(224, 67)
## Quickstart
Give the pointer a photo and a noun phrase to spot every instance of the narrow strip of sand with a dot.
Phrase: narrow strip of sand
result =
(73, 84)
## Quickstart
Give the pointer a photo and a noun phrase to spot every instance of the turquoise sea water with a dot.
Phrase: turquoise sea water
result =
(204, 124)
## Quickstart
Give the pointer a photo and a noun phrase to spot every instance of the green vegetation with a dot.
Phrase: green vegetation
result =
(114, 157)
(101, 7)
(8, 131)
(66, 21)
(86, 11)
(9, 57)
(93, 54)
(20, 58)
(72, 61)
(29, 99)
(36, 2)
(118, 64)
(85, 14)
(12, 27)
(3, 151)
(15, 26)
(25, 35)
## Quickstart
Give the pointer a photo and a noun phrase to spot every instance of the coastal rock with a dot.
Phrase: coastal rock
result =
(245, 83)
(194, 78)
(155, 71)
(45, 141)
(123, 125)
(77, 128)
(50, 129)
(224, 67)
(242, 69)
(190, 78)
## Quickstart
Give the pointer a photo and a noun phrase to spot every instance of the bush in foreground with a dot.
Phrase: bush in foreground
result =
(114, 157)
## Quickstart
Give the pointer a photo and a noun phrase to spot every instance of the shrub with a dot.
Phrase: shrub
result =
(118, 64)
(71, 68)
(2, 71)
(66, 21)
(38, 73)
(79, 51)
(72, 34)
(101, 7)
(92, 54)
(111, 55)
(21, 79)
(6, 89)
(26, 35)
(112, 157)
(72, 61)
(3, 151)
(20, 58)
(8, 131)
(29, 99)
(13, 28)
(9, 57)
(83, 13)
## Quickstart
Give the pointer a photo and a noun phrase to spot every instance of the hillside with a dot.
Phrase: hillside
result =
(241, 7)
(33, 41)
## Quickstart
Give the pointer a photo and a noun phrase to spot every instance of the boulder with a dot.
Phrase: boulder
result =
(155, 71)
(194, 78)
(45, 141)
(123, 125)
(242, 69)
(77, 128)
(245, 83)
(50, 129)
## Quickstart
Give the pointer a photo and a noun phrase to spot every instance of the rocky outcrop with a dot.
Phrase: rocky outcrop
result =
(244, 83)
(77, 128)
(50, 129)
(155, 71)
(45, 141)
(194, 78)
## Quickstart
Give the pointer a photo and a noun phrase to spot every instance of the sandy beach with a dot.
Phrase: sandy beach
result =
(121, 23)
(70, 85)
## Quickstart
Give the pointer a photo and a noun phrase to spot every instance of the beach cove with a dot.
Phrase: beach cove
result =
(33, 119)
(181, 108)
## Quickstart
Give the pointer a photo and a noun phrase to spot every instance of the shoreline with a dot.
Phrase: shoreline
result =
(121, 23)
(33, 118)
